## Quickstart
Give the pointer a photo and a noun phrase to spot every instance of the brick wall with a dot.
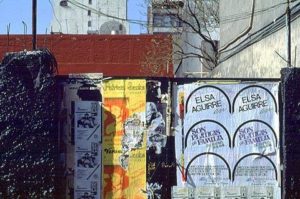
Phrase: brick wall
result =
(112, 55)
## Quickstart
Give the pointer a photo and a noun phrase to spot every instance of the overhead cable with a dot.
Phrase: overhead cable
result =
(262, 33)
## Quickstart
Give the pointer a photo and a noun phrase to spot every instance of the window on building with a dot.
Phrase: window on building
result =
(89, 23)
(90, 2)
(89, 12)
(63, 3)
(166, 20)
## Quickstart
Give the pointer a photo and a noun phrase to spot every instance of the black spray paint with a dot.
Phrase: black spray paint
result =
(28, 125)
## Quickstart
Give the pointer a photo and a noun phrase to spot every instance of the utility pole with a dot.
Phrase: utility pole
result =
(34, 13)
(288, 32)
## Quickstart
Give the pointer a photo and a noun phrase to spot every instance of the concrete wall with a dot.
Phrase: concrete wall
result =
(190, 66)
(235, 16)
(259, 59)
(72, 19)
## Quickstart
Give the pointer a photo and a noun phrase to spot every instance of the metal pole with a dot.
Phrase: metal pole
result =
(25, 32)
(285, 181)
(34, 13)
(288, 32)
(8, 31)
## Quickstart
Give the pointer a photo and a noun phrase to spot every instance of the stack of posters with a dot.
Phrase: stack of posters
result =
(124, 139)
(161, 167)
(227, 141)
(87, 149)
(80, 135)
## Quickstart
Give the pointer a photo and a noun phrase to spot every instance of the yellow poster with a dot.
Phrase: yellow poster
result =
(124, 144)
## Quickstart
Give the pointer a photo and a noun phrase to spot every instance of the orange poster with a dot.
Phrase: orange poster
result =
(124, 144)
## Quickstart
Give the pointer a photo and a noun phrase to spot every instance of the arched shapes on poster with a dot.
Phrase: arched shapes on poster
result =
(254, 100)
(207, 154)
(211, 102)
(255, 121)
(202, 136)
(254, 154)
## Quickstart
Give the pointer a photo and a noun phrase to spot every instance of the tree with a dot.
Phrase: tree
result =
(195, 24)
(157, 57)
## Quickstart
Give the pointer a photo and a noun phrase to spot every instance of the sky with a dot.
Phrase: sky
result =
(15, 15)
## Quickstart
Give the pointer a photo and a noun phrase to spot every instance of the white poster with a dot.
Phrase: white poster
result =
(229, 137)
(75, 87)
(87, 149)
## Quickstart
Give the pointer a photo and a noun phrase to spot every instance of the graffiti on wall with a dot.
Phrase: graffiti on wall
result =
(160, 145)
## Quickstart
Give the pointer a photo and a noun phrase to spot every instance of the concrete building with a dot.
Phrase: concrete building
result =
(262, 50)
(162, 16)
(89, 17)
(173, 16)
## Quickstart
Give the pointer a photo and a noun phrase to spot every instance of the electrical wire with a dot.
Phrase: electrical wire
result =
(82, 6)
(224, 20)
(245, 15)
(264, 32)
(53, 11)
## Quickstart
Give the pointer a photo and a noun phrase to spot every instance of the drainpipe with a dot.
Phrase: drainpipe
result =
(288, 32)
(244, 32)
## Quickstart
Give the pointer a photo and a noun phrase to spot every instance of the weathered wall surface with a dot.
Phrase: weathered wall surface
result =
(112, 55)
(235, 16)
(28, 126)
(74, 18)
(291, 132)
(260, 59)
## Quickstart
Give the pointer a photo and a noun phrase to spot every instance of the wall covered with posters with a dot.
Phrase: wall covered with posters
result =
(124, 139)
(227, 141)
(161, 167)
(158, 139)
(125, 152)
(137, 149)
(87, 172)
(80, 136)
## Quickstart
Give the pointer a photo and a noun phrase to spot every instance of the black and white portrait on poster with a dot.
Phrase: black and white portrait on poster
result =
(87, 149)
(156, 125)
(89, 192)
(86, 120)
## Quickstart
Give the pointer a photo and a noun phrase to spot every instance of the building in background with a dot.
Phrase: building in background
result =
(89, 17)
(162, 16)
(193, 56)
(257, 49)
